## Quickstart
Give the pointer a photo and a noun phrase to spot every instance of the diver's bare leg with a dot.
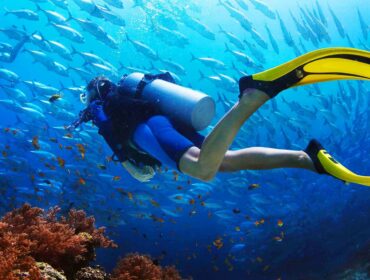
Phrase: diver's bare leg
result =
(258, 158)
(216, 144)
(214, 155)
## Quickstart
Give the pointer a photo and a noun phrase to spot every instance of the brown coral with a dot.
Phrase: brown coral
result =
(137, 267)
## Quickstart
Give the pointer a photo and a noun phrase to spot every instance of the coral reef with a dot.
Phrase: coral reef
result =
(137, 267)
(27, 235)
(36, 245)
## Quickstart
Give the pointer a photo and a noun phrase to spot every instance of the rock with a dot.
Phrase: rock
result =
(50, 273)
(90, 273)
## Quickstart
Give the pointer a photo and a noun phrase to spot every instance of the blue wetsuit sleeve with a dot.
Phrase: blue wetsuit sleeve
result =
(105, 126)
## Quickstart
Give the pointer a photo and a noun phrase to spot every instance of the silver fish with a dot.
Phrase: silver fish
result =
(243, 58)
(364, 27)
(170, 37)
(210, 62)
(40, 57)
(69, 33)
(26, 14)
(338, 24)
(264, 8)
(33, 112)
(199, 27)
(60, 49)
(52, 16)
(115, 3)
(112, 17)
(14, 93)
(175, 66)
(88, 57)
(14, 33)
(321, 13)
(83, 73)
(233, 39)
(238, 15)
(40, 88)
(287, 37)
(258, 38)
(86, 5)
(91, 27)
(144, 49)
(60, 3)
(5, 47)
(59, 68)
(39, 41)
(8, 75)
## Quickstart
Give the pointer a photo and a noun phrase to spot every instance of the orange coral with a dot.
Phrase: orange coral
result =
(28, 234)
(137, 267)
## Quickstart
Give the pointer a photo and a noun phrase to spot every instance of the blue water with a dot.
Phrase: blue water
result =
(325, 222)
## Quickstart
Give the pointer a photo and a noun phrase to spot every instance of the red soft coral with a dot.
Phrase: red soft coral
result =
(67, 244)
(14, 250)
(170, 273)
(137, 267)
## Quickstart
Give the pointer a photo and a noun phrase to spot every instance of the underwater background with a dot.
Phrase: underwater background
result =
(276, 224)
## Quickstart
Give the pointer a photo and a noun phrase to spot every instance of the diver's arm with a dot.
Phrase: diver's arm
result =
(142, 174)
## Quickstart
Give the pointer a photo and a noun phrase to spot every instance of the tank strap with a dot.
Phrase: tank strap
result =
(148, 78)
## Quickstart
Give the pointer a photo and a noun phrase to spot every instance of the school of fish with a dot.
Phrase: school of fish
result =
(254, 212)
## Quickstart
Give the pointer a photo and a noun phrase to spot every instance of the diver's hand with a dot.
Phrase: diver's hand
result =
(142, 174)
(97, 112)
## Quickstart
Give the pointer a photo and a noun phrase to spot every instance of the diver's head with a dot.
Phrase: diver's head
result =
(97, 89)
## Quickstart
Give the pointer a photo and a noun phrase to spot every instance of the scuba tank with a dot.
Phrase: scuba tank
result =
(180, 104)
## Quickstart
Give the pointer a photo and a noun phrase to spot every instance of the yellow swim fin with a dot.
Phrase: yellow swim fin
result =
(317, 66)
(326, 164)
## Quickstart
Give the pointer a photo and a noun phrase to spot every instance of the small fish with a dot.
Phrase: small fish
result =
(81, 149)
(61, 161)
(260, 222)
(82, 181)
(54, 98)
(35, 142)
(102, 166)
(236, 211)
(253, 186)
(26, 14)
(266, 267)
(156, 219)
(218, 243)
(280, 223)
(116, 178)
(154, 203)
(278, 238)
(130, 195)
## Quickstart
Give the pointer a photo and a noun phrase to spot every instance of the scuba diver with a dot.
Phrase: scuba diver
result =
(143, 120)
(8, 54)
